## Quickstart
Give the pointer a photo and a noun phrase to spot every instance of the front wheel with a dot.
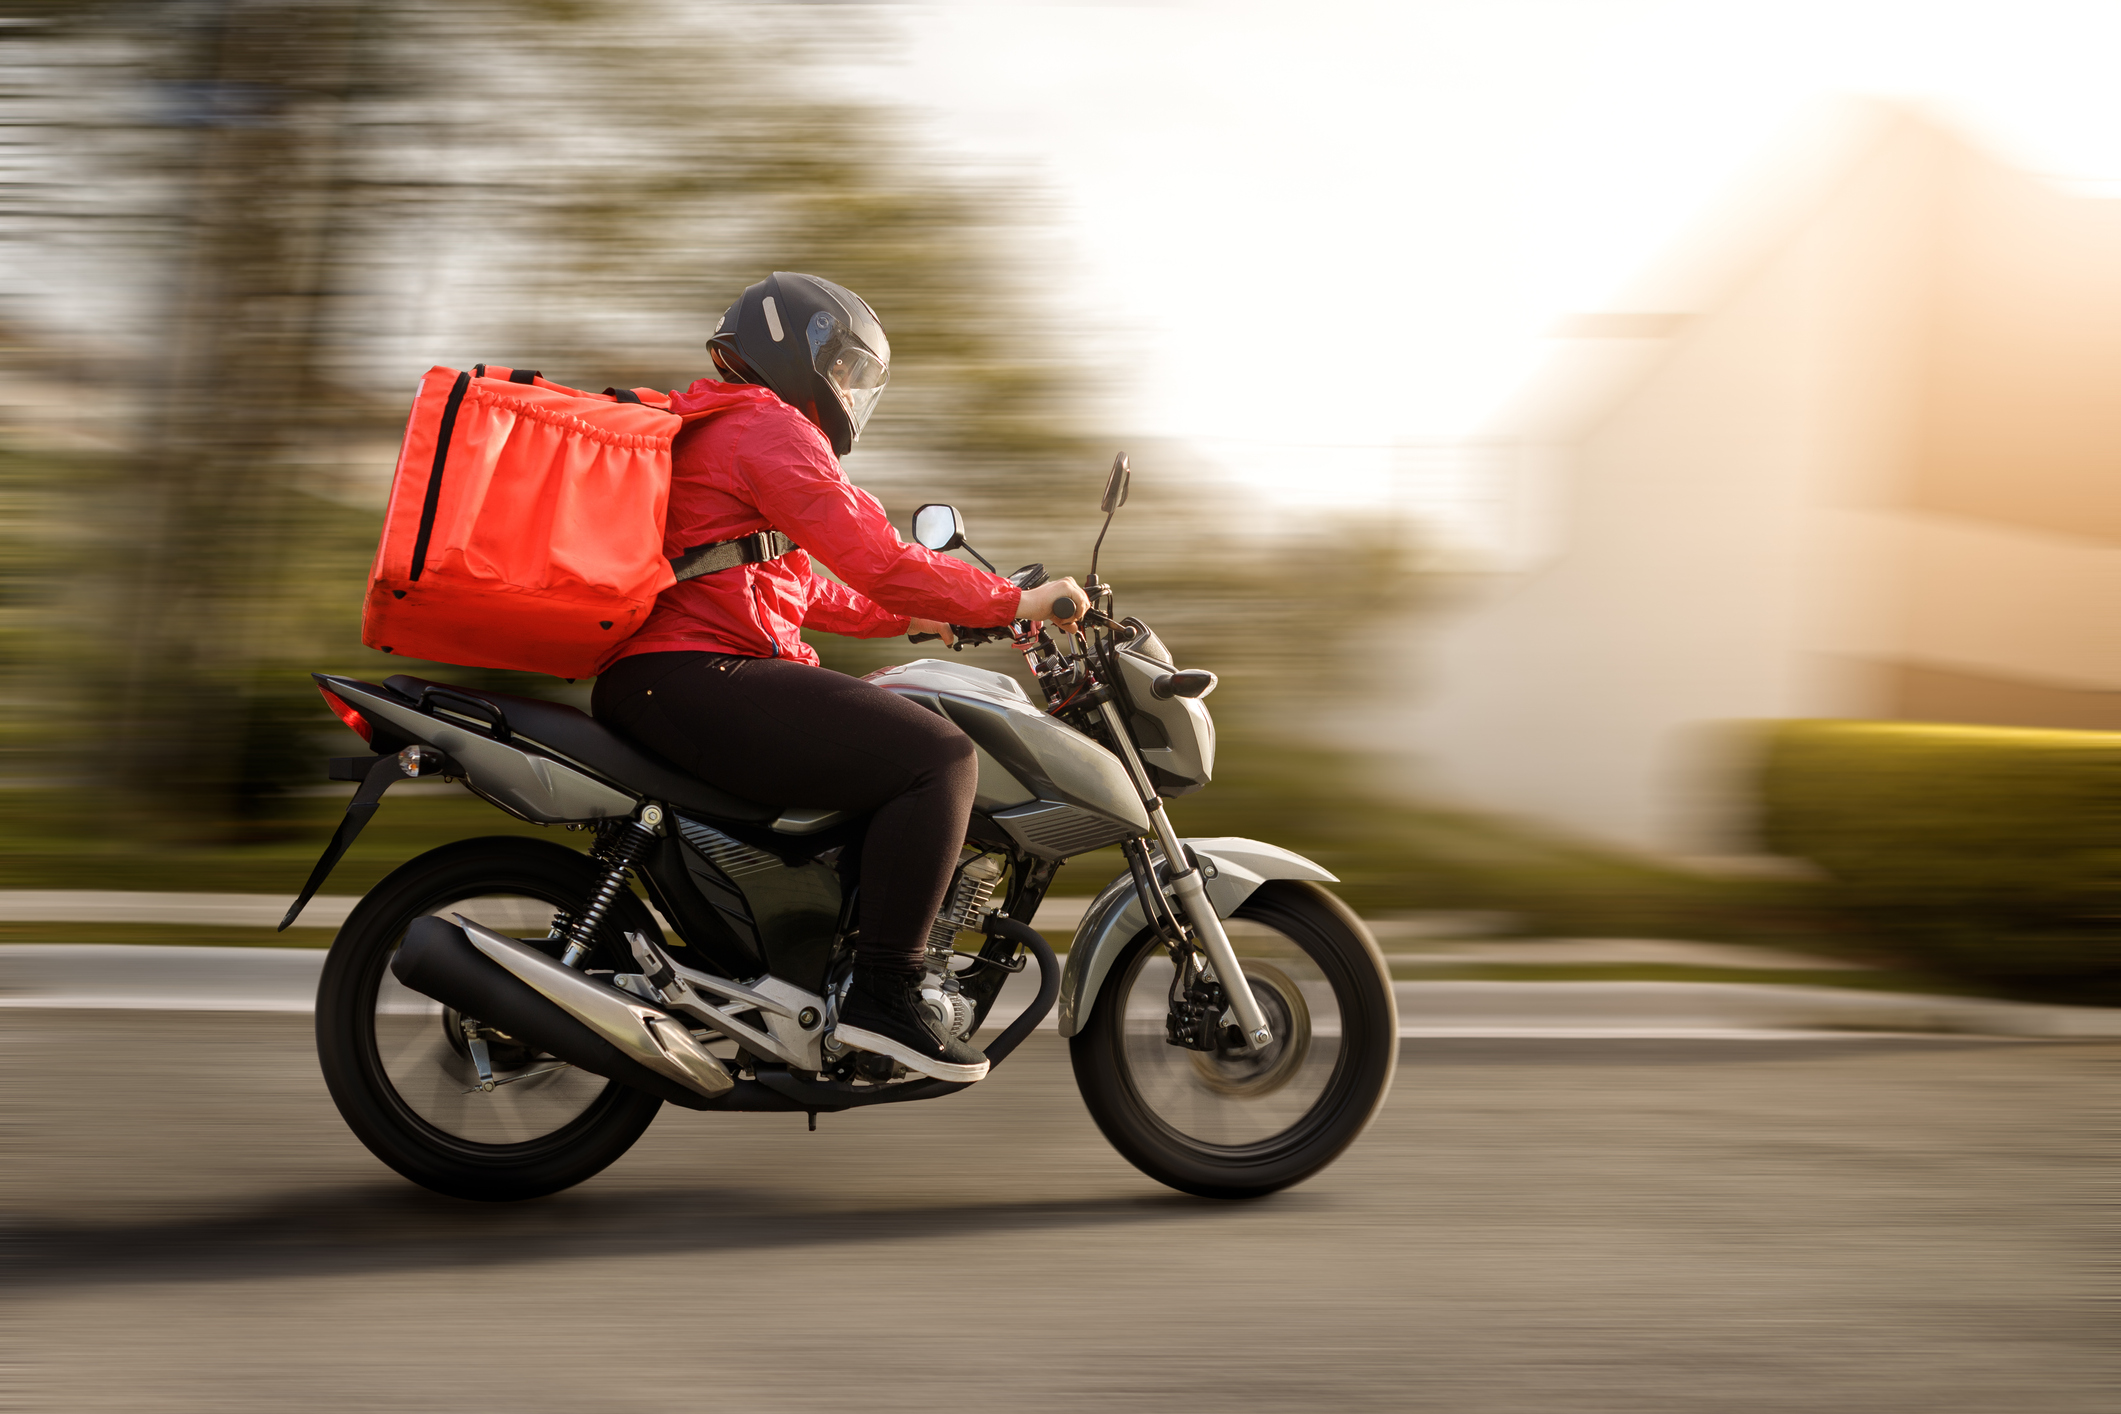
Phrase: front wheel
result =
(1231, 1123)
(398, 1064)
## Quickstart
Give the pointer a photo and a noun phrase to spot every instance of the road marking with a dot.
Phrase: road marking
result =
(111, 976)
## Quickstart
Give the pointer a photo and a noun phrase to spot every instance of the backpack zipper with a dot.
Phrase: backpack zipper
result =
(434, 477)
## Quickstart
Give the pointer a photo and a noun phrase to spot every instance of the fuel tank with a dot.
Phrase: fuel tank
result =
(1053, 790)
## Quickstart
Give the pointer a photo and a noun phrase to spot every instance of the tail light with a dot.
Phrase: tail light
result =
(344, 711)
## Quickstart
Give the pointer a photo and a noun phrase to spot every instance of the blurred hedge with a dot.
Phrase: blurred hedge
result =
(1987, 851)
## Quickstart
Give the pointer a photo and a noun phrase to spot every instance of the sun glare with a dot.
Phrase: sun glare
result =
(1384, 212)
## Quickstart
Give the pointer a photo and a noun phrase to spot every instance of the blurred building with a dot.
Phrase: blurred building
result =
(1858, 455)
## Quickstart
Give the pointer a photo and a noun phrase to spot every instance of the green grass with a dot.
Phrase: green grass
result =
(164, 935)
(45, 844)
(1396, 857)
(1391, 857)
(1990, 851)
(1862, 980)
(1399, 857)
(1884, 979)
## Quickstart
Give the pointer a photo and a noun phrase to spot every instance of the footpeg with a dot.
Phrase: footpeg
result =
(876, 1069)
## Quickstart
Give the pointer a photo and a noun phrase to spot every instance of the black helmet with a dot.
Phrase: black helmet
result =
(815, 344)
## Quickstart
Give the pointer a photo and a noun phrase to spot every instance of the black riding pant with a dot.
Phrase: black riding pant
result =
(789, 734)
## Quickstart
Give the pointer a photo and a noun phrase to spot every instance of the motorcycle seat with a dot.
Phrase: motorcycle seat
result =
(571, 732)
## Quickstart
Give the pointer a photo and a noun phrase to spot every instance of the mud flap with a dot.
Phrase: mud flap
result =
(386, 772)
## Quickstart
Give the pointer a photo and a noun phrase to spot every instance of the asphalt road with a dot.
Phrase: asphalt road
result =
(1529, 1226)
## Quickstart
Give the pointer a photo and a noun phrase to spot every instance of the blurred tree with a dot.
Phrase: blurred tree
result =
(337, 193)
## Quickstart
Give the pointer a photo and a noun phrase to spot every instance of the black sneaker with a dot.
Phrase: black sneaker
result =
(883, 1015)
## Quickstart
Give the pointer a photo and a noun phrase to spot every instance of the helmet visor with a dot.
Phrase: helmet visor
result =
(855, 373)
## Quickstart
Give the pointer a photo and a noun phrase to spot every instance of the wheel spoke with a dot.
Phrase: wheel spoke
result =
(400, 1065)
(1231, 1098)
(508, 1116)
(415, 1050)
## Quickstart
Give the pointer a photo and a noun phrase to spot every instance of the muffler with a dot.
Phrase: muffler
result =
(519, 990)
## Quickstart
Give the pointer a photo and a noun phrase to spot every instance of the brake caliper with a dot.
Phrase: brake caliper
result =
(1196, 1014)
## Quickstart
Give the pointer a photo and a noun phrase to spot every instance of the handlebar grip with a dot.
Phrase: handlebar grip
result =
(922, 637)
(1064, 609)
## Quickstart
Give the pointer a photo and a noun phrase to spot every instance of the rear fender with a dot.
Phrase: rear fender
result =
(1234, 868)
(531, 786)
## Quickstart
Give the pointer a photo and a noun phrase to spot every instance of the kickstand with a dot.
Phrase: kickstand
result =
(813, 1121)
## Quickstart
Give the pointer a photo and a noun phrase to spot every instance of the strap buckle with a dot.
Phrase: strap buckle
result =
(729, 554)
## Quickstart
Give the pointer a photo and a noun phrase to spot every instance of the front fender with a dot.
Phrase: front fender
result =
(1235, 867)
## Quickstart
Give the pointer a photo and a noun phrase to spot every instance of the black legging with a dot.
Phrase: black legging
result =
(784, 733)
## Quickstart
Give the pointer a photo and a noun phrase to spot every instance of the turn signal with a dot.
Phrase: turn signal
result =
(1194, 682)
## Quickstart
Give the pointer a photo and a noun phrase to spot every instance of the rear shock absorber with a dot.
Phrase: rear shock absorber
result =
(629, 844)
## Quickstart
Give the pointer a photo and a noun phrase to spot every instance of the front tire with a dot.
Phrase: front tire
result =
(1231, 1124)
(399, 1071)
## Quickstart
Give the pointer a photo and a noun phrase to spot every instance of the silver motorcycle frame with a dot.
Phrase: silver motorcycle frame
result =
(542, 785)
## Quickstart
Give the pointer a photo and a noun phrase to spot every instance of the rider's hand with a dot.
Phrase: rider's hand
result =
(931, 626)
(1038, 603)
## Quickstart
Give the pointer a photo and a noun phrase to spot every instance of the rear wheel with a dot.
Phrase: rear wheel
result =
(399, 1066)
(1233, 1123)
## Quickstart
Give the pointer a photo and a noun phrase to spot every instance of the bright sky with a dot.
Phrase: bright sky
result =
(1331, 225)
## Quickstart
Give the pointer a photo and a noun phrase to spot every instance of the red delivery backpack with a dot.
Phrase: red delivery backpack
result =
(525, 527)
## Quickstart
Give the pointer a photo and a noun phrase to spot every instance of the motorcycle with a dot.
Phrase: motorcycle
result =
(502, 1017)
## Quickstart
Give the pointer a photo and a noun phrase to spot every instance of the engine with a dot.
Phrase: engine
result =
(969, 897)
(963, 909)
(941, 999)
(941, 996)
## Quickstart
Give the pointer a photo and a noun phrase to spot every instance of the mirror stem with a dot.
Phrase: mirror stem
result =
(1100, 545)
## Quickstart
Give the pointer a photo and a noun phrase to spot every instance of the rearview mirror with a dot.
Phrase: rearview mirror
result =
(939, 527)
(1116, 485)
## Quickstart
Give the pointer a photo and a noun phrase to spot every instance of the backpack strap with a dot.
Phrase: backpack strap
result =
(728, 554)
(526, 376)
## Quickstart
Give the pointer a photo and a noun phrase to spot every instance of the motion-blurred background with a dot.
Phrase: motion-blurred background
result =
(1527, 401)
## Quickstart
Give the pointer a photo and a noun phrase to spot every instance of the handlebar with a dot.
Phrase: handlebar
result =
(1065, 608)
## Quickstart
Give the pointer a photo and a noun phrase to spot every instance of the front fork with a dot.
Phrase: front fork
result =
(1184, 878)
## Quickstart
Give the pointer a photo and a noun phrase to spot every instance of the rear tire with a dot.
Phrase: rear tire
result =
(409, 1106)
(1235, 1125)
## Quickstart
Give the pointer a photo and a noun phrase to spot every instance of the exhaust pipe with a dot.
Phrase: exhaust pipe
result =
(518, 989)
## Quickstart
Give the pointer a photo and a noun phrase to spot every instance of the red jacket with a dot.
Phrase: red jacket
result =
(749, 462)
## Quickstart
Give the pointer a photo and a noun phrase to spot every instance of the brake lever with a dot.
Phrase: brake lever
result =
(965, 637)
